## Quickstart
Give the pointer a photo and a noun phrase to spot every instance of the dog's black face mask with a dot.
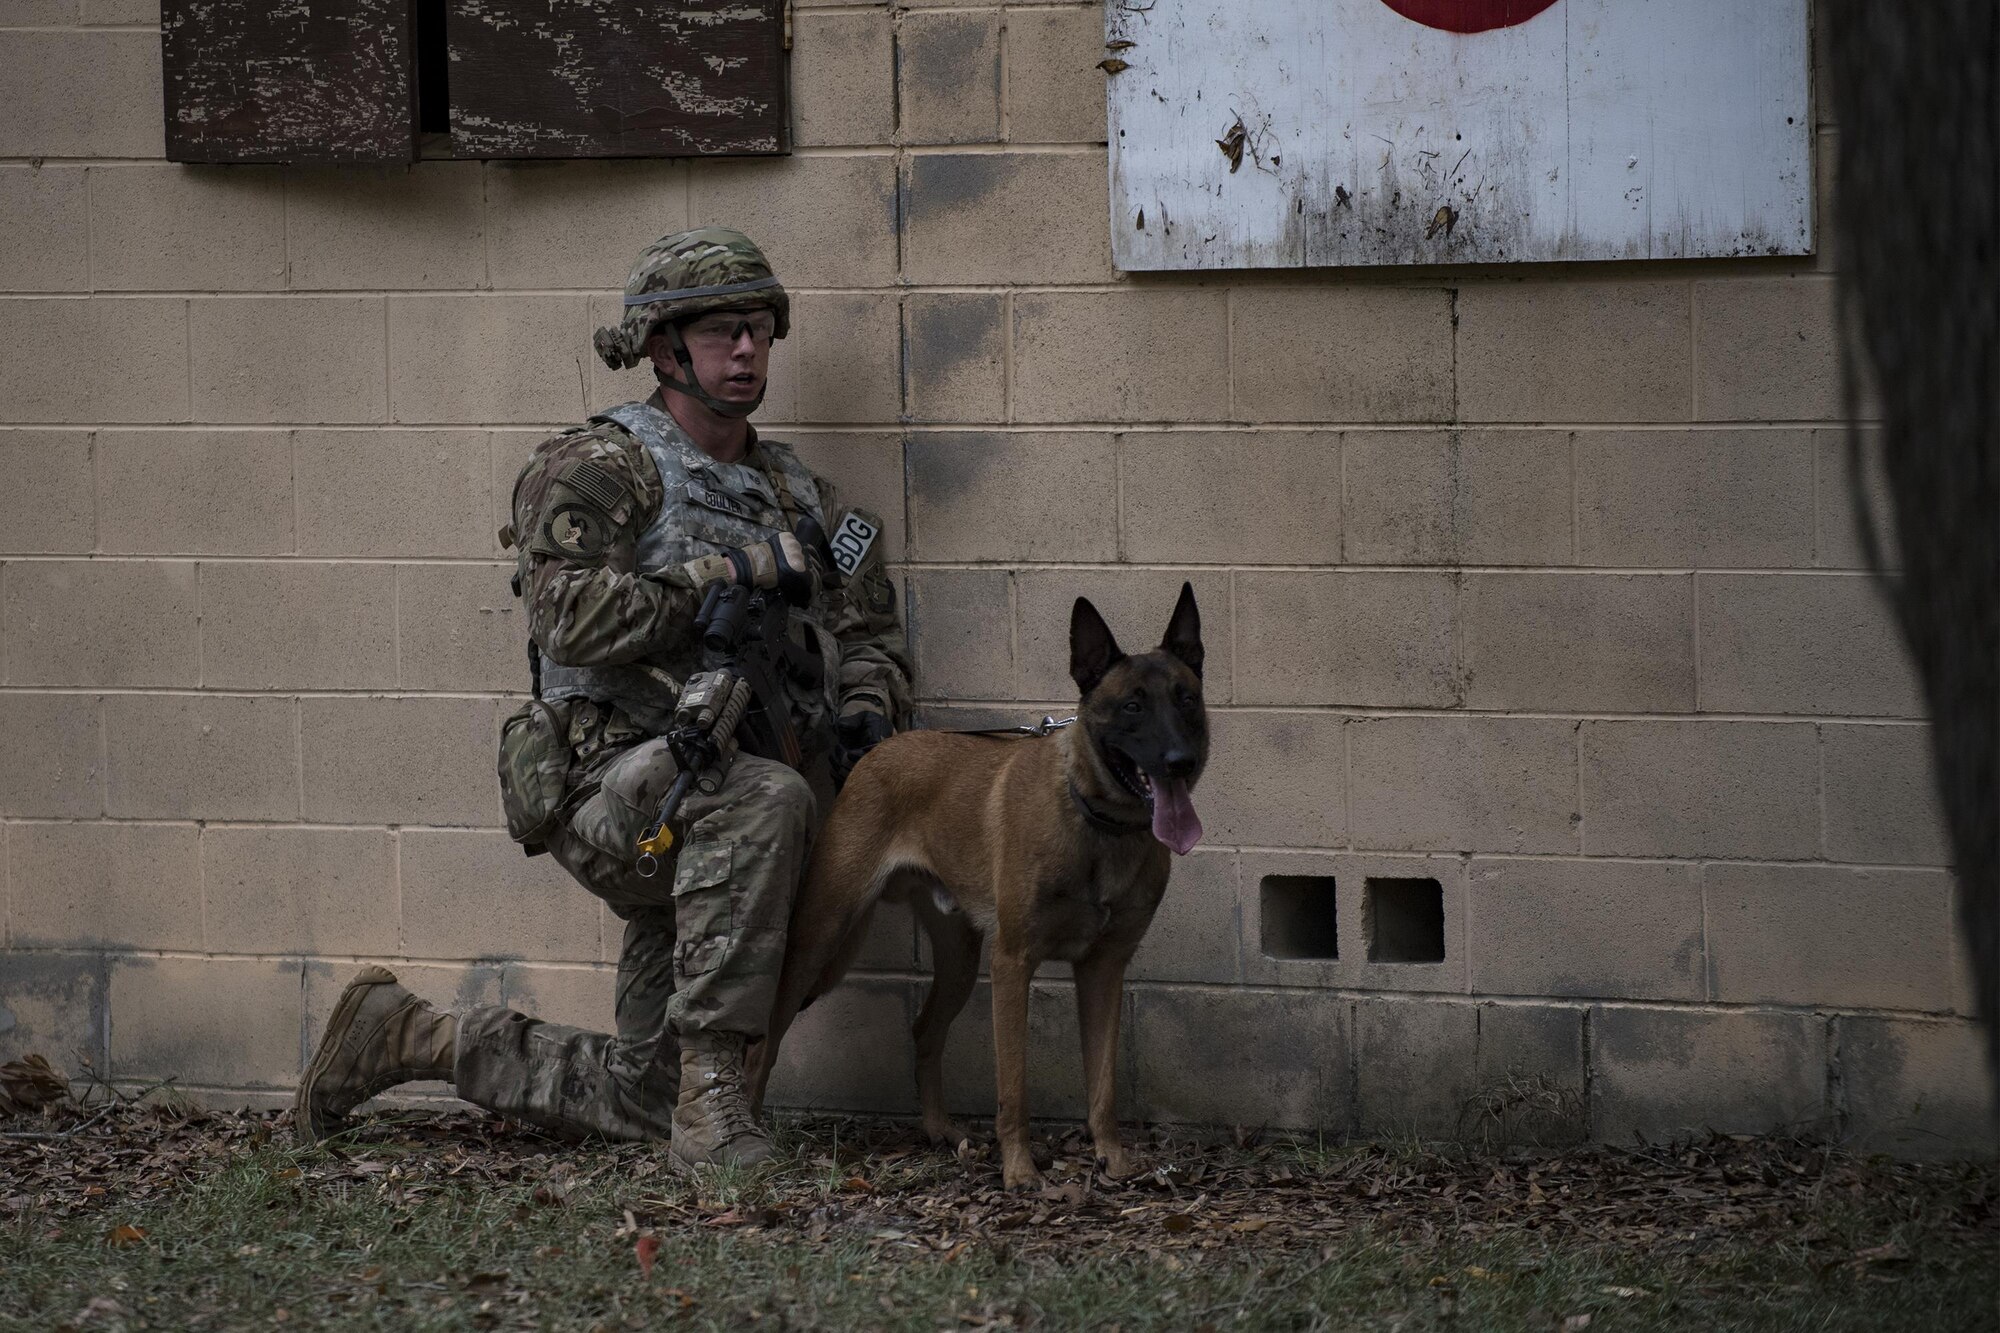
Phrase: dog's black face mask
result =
(1145, 714)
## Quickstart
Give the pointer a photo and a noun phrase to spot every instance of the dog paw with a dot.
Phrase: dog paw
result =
(1026, 1178)
(1115, 1164)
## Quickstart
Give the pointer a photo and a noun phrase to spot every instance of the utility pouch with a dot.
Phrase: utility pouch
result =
(534, 765)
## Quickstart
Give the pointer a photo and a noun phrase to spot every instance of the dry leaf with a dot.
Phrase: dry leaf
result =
(125, 1234)
(29, 1083)
(1177, 1223)
(1576, 1323)
(1113, 65)
(1231, 144)
(1120, 45)
(646, 1248)
(1625, 1292)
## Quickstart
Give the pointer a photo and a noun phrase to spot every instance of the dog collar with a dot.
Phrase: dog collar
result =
(1099, 820)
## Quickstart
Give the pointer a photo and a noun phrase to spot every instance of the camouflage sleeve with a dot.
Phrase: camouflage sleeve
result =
(875, 654)
(579, 507)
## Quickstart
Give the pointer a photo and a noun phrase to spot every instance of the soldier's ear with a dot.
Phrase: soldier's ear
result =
(1184, 631)
(1092, 650)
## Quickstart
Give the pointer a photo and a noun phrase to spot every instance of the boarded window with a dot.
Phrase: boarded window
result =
(343, 81)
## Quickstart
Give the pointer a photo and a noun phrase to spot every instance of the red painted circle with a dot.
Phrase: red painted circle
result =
(1468, 15)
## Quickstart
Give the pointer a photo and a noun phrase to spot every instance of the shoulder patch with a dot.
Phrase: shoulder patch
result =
(854, 539)
(577, 530)
(597, 484)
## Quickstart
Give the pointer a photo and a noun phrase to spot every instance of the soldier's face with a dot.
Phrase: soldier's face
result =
(731, 351)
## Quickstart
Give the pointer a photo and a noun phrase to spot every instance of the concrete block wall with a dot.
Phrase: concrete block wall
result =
(1534, 587)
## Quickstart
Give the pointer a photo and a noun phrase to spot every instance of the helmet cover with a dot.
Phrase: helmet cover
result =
(686, 274)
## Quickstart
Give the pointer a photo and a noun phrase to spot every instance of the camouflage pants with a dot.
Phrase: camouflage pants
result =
(704, 942)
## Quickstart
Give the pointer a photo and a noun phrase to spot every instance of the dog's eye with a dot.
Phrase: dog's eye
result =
(1134, 706)
(1188, 701)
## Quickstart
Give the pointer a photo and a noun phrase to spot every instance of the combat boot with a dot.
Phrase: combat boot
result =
(712, 1121)
(380, 1035)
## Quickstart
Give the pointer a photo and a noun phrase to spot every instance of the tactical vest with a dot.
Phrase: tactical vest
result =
(709, 507)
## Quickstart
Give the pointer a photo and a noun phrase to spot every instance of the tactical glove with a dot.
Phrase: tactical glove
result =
(779, 563)
(853, 736)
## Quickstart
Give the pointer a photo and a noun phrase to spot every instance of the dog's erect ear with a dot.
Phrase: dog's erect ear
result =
(1092, 650)
(1184, 631)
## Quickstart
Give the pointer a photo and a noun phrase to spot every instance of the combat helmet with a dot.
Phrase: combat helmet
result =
(687, 274)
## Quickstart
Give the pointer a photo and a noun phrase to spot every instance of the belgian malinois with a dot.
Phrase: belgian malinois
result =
(1054, 846)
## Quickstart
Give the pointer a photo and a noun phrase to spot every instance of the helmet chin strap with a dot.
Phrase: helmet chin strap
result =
(691, 384)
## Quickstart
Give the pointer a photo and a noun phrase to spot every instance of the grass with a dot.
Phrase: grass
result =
(451, 1223)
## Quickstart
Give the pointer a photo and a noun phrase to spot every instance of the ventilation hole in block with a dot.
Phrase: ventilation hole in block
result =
(1403, 920)
(1297, 916)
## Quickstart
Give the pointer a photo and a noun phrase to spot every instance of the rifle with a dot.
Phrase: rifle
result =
(745, 645)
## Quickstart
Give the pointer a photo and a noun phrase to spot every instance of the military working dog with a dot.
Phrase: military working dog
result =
(1055, 846)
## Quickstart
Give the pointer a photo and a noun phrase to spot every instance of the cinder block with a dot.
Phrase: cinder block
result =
(41, 14)
(1415, 1066)
(845, 357)
(1242, 1057)
(1663, 1074)
(962, 633)
(1375, 353)
(82, 94)
(1803, 643)
(843, 70)
(414, 226)
(1194, 933)
(1881, 795)
(400, 761)
(1272, 497)
(1694, 499)
(298, 625)
(1737, 789)
(1574, 351)
(948, 69)
(100, 622)
(1055, 1054)
(200, 756)
(1277, 915)
(851, 1051)
(1531, 1083)
(53, 1005)
(967, 219)
(307, 359)
(1839, 537)
(579, 223)
(1769, 350)
(104, 886)
(48, 509)
(299, 890)
(1867, 939)
(1055, 93)
(1136, 603)
(188, 228)
(44, 226)
(1463, 784)
(1916, 1088)
(466, 358)
(121, 13)
(101, 359)
(1274, 779)
(1457, 497)
(217, 1021)
(459, 627)
(580, 997)
(1362, 639)
(1607, 929)
(999, 496)
(1134, 355)
(470, 893)
(395, 493)
(822, 221)
(59, 735)
(194, 492)
(865, 469)
(955, 348)
(1606, 642)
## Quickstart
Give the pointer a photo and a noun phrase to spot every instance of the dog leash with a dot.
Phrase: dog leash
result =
(1048, 726)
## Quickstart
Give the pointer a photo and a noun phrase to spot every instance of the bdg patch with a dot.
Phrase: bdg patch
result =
(575, 530)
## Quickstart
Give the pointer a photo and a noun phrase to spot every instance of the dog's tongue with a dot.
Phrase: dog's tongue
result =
(1174, 820)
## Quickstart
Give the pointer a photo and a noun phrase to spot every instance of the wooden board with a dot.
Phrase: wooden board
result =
(257, 81)
(1458, 131)
(609, 78)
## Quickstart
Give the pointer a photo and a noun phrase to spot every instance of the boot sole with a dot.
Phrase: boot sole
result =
(329, 1046)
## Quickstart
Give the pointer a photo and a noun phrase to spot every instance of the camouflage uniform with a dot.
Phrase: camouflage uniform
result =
(606, 516)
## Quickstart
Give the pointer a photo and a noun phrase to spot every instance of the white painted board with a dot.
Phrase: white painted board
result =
(1592, 129)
